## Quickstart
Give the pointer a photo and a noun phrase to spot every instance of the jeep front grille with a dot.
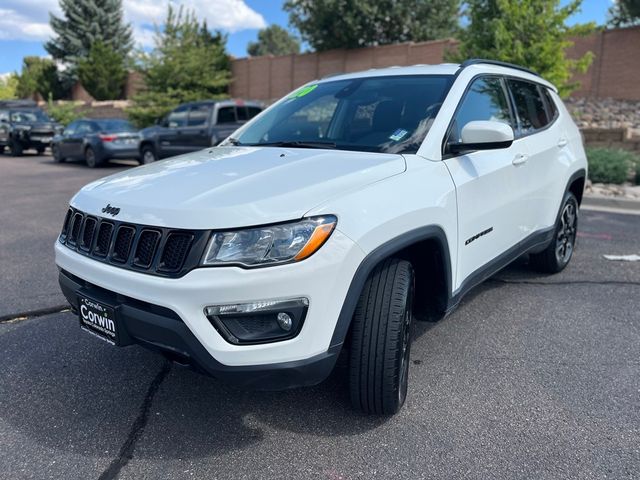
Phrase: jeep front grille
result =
(160, 251)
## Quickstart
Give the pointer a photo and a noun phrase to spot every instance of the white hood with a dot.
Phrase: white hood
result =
(228, 187)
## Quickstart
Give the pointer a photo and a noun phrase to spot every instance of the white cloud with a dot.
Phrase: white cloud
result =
(29, 19)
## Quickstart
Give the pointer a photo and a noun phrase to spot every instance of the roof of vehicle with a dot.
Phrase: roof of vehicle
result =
(106, 119)
(226, 102)
(476, 65)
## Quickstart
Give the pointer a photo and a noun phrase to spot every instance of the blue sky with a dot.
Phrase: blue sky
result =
(24, 23)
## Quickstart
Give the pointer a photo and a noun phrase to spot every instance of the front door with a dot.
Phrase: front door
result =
(170, 138)
(491, 211)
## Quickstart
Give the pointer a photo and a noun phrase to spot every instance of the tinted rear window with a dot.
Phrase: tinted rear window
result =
(115, 126)
(532, 114)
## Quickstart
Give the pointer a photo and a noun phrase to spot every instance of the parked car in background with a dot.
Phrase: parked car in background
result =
(97, 141)
(24, 126)
(194, 126)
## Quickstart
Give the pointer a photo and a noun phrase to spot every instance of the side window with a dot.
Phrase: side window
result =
(242, 114)
(485, 100)
(199, 115)
(532, 115)
(84, 128)
(71, 128)
(178, 118)
(552, 108)
(227, 115)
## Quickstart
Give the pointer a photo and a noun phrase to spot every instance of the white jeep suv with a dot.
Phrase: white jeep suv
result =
(347, 210)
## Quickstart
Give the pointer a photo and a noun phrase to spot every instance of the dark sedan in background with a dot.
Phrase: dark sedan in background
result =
(97, 141)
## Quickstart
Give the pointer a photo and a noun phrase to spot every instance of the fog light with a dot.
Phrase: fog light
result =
(258, 322)
(285, 322)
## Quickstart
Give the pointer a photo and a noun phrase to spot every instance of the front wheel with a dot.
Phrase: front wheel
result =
(381, 339)
(16, 149)
(557, 255)
(57, 157)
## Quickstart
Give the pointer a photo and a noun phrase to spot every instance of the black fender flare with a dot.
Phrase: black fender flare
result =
(387, 249)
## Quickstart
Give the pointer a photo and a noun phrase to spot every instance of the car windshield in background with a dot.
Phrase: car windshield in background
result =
(375, 114)
(115, 126)
(29, 116)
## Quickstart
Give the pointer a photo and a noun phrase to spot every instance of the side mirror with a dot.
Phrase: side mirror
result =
(483, 135)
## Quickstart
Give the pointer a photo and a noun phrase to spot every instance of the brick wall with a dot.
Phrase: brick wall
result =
(614, 73)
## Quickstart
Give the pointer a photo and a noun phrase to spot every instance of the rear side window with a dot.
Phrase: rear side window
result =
(485, 100)
(199, 115)
(227, 115)
(530, 108)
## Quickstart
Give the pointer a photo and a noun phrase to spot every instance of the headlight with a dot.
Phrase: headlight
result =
(273, 244)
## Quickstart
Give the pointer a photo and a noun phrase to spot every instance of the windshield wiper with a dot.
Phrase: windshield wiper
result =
(294, 144)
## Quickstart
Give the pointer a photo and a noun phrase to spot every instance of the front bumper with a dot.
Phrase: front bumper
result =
(324, 279)
(161, 330)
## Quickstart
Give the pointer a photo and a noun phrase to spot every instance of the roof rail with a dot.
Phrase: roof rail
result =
(476, 61)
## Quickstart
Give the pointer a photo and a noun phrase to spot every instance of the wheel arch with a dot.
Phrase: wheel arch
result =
(576, 184)
(427, 249)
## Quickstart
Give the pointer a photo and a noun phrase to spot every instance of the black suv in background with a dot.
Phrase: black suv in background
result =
(23, 126)
(194, 126)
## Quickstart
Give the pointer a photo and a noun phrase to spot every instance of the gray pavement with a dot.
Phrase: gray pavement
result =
(532, 377)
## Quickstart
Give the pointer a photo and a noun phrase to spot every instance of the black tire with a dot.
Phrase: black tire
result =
(91, 158)
(40, 150)
(148, 155)
(1, 149)
(15, 148)
(558, 253)
(55, 152)
(381, 339)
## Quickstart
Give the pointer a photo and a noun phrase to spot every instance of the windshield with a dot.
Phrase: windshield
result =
(376, 114)
(114, 126)
(29, 116)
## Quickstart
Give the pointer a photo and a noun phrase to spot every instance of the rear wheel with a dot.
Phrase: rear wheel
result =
(381, 339)
(40, 150)
(557, 255)
(148, 155)
(16, 148)
(90, 157)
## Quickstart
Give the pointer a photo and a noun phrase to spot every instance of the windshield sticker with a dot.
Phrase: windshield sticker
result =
(304, 91)
(398, 135)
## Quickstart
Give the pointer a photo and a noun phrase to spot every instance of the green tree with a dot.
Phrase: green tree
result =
(39, 76)
(531, 33)
(83, 23)
(624, 13)
(102, 73)
(274, 40)
(8, 86)
(328, 24)
(187, 63)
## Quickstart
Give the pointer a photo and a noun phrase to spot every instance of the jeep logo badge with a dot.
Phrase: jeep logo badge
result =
(113, 211)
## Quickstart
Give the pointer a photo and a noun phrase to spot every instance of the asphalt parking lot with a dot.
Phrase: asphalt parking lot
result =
(532, 377)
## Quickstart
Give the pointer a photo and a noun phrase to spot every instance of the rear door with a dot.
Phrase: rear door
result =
(170, 140)
(488, 184)
(548, 153)
(196, 133)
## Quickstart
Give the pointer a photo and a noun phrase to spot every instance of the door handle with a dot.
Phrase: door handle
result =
(562, 142)
(520, 159)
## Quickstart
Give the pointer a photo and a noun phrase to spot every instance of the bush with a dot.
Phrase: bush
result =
(63, 113)
(607, 165)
